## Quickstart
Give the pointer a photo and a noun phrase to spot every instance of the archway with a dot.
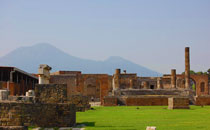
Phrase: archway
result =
(192, 84)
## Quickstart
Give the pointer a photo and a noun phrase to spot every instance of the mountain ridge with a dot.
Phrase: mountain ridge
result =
(28, 58)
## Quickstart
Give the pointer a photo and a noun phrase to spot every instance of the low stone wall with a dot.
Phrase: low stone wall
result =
(42, 115)
(81, 102)
(202, 100)
(110, 101)
(178, 103)
(146, 101)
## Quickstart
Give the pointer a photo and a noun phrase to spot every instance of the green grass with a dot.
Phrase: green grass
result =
(130, 118)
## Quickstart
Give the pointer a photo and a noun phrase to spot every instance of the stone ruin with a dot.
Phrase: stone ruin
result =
(174, 90)
(46, 106)
(49, 108)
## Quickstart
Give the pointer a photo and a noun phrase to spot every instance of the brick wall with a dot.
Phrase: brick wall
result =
(202, 100)
(146, 101)
(178, 103)
(110, 101)
(136, 100)
(43, 115)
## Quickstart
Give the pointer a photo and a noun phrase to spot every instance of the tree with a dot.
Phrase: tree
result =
(200, 72)
(191, 72)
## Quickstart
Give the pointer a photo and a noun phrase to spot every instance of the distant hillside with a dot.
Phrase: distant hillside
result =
(29, 58)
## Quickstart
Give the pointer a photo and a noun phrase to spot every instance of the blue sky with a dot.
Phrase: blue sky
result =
(152, 33)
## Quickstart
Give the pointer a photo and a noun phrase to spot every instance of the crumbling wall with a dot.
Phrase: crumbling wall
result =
(36, 114)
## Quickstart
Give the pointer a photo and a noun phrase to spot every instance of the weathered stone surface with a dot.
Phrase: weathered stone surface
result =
(43, 115)
(51, 93)
(178, 103)
(81, 102)
(57, 93)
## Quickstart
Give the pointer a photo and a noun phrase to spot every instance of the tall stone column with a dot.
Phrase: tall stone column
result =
(187, 68)
(116, 82)
(173, 78)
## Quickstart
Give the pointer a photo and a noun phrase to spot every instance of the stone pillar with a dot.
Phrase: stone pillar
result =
(116, 81)
(44, 74)
(187, 67)
(173, 78)
(159, 83)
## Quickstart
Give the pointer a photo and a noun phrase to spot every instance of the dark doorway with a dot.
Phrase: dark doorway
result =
(152, 87)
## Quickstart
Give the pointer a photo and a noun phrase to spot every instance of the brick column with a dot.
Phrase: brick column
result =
(187, 67)
(173, 78)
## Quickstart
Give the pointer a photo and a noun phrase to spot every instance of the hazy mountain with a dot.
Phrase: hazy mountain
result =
(29, 58)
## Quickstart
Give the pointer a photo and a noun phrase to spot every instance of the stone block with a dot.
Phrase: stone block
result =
(151, 128)
(30, 93)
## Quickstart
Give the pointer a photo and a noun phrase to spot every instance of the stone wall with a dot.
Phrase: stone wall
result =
(51, 93)
(178, 103)
(81, 102)
(202, 100)
(42, 115)
(70, 80)
(57, 93)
